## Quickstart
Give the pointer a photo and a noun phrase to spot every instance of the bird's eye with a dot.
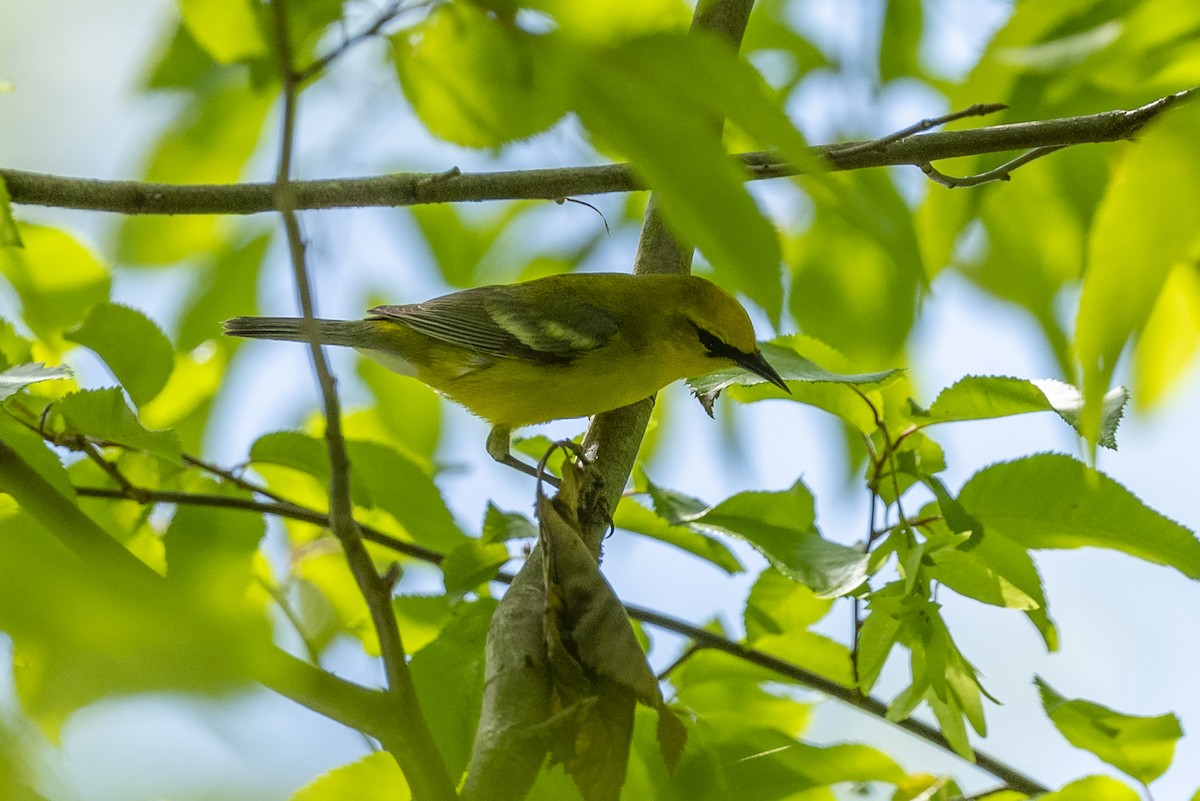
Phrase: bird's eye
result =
(714, 346)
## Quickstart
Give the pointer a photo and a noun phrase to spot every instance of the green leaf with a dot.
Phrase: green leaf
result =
(56, 278)
(375, 777)
(409, 411)
(474, 80)
(632, 516)
(34, 452)
(782, 527)
(1142, 747)
(1168, 344)
(211, 551)
(10, 235)
(380, 477)
(1054, 501)
(448, 674)
(657, 100)
(810, 383)
(900, 44)
(223, 289)
(103, 413)
(134, 348)
(1142, 221)
(987, 397)
(778, 605)
(1093, 788)
(500, 526)
(226, 29)
(19, 376)
(209, 143)
(421, 618)
(471, 564)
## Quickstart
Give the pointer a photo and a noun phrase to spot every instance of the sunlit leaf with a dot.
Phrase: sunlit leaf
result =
(109, 329)
(500, 526)
(224, 288)
(1168, 344)
(375, 777)
(33, 450)
(421, 618)
(987, 397)
(103, 413)
(56, 278)
(778, 605)
(19, 376)
(1054, 501)
(1140, 233)
(1093, 788)
(227, 29)
(1142, 747)
(474, 80)
(656, 100)
(632, 516)
(810, 383)
(782, 526)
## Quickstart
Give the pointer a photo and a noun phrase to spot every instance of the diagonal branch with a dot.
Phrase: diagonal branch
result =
(409, 739)
(413, 189)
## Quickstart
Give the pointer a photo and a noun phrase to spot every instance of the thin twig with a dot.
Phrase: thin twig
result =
(977, 110)
(411, 742)
(412, 189)
(1001, 173)
(389, 13)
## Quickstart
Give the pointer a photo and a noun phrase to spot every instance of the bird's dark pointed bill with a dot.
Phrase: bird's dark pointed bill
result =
(755, 363)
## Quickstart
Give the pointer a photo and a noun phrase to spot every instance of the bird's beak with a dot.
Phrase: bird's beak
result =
(755, 363)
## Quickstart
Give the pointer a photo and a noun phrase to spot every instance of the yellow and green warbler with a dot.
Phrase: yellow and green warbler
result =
(552, 348)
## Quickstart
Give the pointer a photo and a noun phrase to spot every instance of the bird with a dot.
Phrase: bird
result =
(558, 347)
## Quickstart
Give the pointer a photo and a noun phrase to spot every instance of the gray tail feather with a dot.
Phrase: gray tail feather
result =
(349, 333)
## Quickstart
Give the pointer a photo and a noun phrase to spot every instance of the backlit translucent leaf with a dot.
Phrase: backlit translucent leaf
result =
(226, 29)
(782, 526)
(656, 100)
(19, 376)
(1142, 747)
(1093, 788)
(1054, 501)
(778, 605)
(380, 477)
(56, 278)
(1141, 231)
(632, 516)
(133, 347)
(375, 777)
(422, 618)
(103, 413)
(500, 526)
(987, 397)
(609, 22)
(475, 80)
(1168, 344)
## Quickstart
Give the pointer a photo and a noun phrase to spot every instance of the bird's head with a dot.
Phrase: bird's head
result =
(719, 333)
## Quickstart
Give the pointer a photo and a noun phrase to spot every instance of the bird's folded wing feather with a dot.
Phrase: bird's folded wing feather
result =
(505, 323)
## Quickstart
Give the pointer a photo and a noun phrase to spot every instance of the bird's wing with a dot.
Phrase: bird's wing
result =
(508, 323)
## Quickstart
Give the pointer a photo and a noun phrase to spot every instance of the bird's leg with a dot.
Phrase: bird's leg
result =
(499, 448)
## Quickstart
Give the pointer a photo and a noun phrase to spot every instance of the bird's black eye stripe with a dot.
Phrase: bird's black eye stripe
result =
(716, 347)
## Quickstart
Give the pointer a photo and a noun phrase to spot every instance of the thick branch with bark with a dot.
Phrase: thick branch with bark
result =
(451, 186)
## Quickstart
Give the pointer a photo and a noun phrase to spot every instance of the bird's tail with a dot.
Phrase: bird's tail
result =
(349, 333)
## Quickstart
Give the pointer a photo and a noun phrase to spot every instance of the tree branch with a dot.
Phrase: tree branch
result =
(700, 637)
(408, 738)
(412, 189)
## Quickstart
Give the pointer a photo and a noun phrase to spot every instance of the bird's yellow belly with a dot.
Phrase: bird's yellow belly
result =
(523, 394)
